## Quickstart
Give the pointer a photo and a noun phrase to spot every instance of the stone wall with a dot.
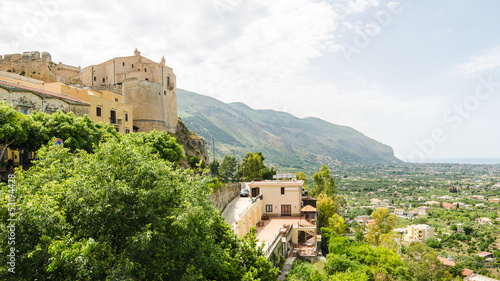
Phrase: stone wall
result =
(220, 198)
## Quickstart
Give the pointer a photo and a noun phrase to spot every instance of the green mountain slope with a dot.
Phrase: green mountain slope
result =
(285, 140)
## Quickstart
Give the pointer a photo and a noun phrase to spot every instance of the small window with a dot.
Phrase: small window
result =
(103, 80)
(127, 131)
(145, 70)
(282, 190)
(168, 80)
(132, 65)
(116, 99)
(123, 64)
(117, 129)
(164, 93)
(269, 208)
(24, 110)
(98, 111)
(95, 78)
(126, 116)
(147, 79)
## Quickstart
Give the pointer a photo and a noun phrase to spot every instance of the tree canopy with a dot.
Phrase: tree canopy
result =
(323, 182)
(228, 167)
(121, 213)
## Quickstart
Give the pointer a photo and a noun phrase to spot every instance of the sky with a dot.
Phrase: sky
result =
(420, 76)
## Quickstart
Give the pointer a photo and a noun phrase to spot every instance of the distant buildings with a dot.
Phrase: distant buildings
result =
(483, 220)
(419, 233)
(422, 210)
(495, 200)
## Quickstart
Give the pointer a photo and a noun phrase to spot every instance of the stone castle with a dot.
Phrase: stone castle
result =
(148, 86)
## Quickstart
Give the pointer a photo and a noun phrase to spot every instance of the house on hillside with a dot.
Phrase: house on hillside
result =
(485, 255)
(448, 262)
(375, 201)
(483, 220)
(423, 210)
(494, 200)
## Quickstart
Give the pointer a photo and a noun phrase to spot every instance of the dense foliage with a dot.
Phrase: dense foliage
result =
(122, 212)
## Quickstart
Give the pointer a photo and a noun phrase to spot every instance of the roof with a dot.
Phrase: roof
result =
(309, 198)
(308, 208)
(446, 261)
(13, 86)
(466, 272)
(484, 254)
(485, 219)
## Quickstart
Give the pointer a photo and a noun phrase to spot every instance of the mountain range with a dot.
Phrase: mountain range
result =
(285, 140)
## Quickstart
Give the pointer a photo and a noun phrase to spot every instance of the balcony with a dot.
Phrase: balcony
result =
(115, 121)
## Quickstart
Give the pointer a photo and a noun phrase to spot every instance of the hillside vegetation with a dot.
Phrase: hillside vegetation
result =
(286, 140)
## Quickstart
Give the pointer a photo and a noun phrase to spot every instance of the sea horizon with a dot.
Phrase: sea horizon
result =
(493, 160)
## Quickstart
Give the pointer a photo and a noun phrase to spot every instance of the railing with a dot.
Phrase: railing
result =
(276, 241)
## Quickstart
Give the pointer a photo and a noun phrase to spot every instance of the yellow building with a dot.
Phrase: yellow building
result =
(105, 106)
(419, 232)
(280, 198)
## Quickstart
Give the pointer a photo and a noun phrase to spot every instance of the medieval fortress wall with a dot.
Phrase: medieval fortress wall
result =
(146, 85)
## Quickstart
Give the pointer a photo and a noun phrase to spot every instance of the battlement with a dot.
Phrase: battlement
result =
(61, 66)
(27, 56)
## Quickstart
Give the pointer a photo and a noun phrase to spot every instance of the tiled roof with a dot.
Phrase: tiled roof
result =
(43, 92)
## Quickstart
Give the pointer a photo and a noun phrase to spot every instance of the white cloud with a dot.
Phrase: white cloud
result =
(477, 64)
(355, 6)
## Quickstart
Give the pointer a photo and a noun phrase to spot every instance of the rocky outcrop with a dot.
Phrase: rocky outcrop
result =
(194, 145)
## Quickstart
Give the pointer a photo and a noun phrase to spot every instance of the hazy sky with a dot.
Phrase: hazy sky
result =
(420, 76)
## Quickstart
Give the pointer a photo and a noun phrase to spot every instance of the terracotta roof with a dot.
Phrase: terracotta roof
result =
(446, 261)
(466, 272)
(308, 208)
(43, 92)
(309, 198)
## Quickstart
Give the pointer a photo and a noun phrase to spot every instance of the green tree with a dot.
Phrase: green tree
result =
(420, 259)
(161, 144)
(214, 168)
(433, 243)
(121, 213)
(384, 223)
(228, 167)
(323, 182)
(337, 224)
(302, 176)
(12, 127)
(252, 166)
(268, 172)
(326, 209)
(76, 132)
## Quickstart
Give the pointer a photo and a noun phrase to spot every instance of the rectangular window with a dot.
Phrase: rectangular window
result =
(103, 80)
(123, 64)
(164, 93)
(126, 116)
(269, 208)
(95, 78)
(147, 79)
(168, 80)
(145, 70)
(132, 65)
(127, 131)
(112, 118)
(98, 111)
(116, 99)
(282, 190)
(24, 110)
(117, 129)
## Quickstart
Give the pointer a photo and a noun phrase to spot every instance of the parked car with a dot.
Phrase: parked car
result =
(244, 192)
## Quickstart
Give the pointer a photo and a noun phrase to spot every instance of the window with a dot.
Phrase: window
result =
(116, 99)
(24, 110)
(112, 118)
(168, 80)
(145, 70)
(127, 131)
(123, 64)
(103, 80)
(95, 78)
(269, 208)
(117, 129)
(147, 79)
(286, 210)
(132, 65)
(98, 111)
(164, 93)
(126, 116)
(282, 190)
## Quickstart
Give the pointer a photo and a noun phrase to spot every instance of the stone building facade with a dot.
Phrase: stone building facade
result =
(146, 85)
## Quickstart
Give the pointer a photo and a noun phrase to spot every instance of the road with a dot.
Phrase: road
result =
(234, 209)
